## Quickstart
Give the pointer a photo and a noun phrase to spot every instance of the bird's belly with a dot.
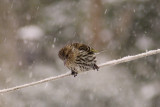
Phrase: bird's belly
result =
(80, 68)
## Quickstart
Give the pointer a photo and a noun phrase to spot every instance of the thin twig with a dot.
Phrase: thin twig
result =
(130, 58)
(109, 63)
(35, 83)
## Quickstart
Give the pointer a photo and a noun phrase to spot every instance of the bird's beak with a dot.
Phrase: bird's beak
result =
(65, 61)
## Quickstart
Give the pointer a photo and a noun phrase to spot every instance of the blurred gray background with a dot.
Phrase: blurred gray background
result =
(33, 31)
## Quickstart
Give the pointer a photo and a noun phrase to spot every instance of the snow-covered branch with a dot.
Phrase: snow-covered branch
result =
(108, 63)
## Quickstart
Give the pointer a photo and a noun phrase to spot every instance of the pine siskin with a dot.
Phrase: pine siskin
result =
(78, 58)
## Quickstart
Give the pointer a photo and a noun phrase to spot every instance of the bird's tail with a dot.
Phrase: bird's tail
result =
(97, 53)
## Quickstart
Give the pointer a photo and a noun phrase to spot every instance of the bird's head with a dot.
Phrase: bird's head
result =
(66, 54)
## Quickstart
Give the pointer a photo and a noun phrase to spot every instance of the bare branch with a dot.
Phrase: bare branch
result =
(130, 58)
(35, 83)
(109, 63)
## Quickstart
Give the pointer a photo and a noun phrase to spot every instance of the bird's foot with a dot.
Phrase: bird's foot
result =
(95, 67)
(74, 73)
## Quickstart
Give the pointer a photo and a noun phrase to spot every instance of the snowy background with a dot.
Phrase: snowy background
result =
(33, 31)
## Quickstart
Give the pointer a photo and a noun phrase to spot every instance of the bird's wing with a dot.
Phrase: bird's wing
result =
(84, 47)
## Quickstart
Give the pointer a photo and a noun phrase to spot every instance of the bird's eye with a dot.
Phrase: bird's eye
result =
(63, 53)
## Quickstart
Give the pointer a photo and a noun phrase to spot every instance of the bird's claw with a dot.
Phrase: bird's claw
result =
(74, 73)
(95, 67)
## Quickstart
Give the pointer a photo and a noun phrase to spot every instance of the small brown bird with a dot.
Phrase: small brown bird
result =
(78, 58)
